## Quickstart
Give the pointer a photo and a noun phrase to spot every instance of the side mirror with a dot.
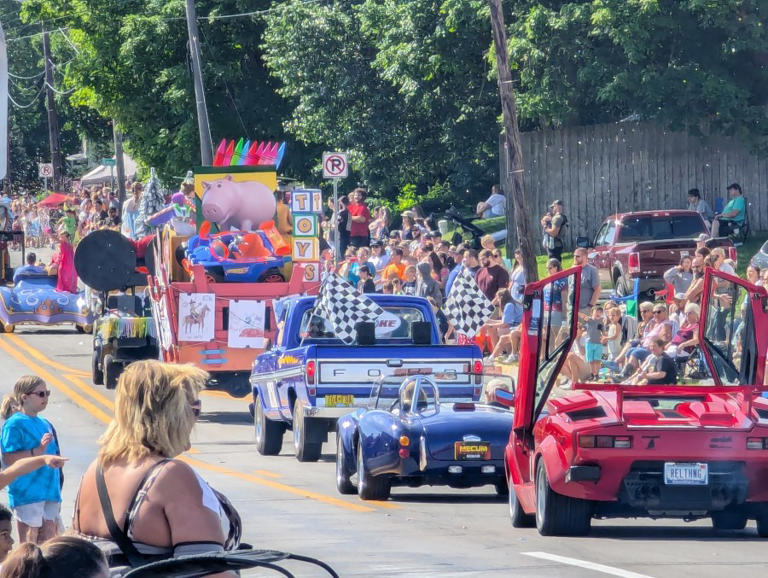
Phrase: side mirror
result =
(501, 397)
(583, 242)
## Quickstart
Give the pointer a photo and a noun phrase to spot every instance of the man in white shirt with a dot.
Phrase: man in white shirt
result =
(494, 206)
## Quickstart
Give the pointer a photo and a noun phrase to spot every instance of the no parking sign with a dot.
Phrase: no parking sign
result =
(335, 166)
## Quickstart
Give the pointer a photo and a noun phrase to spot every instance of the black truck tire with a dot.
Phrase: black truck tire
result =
(730, 519)
(269, 433)
(97, 373)
(558, 515)
(343, 482)
(112, 370)
(306, 451)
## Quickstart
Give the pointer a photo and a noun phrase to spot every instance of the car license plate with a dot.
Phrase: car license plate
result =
(472, 451)
(339, 400)
(685, 474)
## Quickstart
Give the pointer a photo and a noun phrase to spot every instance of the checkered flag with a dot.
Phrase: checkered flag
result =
(343, 306)
(466, 307)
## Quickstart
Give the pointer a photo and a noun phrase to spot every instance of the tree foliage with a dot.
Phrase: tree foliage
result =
(402, 84)
(133, 66)
(698, 65)
(27, 117)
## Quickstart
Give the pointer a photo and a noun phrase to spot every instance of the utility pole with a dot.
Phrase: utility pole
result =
(206, 146)
(518, 219)
(53, 119)
(117, 136)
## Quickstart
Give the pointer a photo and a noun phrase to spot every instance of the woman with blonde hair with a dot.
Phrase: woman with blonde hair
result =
(136, 493)
(35, 497)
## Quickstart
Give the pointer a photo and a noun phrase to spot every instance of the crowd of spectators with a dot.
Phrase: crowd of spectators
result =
(415, 259)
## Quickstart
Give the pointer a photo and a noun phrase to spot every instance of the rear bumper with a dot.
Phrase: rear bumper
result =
(470, 476)
(644, 488)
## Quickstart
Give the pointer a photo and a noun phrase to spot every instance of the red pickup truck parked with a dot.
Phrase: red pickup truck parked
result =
(644, 244)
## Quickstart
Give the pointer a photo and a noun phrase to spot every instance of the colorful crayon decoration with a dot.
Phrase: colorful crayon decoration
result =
(247, 153)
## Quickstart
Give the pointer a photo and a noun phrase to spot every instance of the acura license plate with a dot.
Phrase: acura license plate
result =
(686, 474)
(339, 400)
(472, 451)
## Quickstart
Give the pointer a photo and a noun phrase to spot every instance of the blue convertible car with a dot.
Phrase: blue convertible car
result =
(35, 299)
(407, 437)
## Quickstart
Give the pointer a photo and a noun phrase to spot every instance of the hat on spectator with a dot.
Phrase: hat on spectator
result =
(703, 237)
(376, 244)
(556, 202)
(679, 296)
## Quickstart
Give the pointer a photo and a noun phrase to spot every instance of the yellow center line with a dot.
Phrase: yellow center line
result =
(278, 486)
(19, 342)
(94, 410)
(86, 388)
(267, 473)
(99, 414)
(221, 394)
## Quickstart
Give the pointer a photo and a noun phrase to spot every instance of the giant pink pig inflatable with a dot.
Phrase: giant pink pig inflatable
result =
(239, 205)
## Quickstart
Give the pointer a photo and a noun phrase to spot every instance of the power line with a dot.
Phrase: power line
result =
(34, 100)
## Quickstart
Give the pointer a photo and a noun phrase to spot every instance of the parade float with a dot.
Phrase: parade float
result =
(113, 266)
(213, 293)
(35, 299)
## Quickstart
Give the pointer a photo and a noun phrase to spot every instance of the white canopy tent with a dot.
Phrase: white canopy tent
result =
(101, 174)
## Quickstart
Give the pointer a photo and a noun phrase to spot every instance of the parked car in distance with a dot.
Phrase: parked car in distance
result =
(643, 245)
(407, 437)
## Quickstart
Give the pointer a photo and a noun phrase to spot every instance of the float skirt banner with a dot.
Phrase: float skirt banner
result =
(246, 324)
(197, 316)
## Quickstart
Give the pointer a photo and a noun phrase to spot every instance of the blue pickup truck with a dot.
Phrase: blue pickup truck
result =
(309, 378)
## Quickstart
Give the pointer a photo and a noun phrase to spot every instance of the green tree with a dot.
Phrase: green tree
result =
(698, 65)
(132, 66)
(400, 83)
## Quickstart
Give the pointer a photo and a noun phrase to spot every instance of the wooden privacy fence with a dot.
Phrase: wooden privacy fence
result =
(630, 166)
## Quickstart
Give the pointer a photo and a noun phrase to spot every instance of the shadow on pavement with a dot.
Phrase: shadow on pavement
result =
(682, 533)
(447, 498)
(226, 417)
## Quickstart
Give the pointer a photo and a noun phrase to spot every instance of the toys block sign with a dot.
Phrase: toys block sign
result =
(306, 249)
(312, 272)
(304, 225)
(306, 201)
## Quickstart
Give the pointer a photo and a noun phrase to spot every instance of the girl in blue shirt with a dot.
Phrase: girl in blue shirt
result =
(35, 497)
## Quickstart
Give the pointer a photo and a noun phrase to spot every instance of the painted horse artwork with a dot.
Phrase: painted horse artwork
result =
(35, 300)
(195, 319)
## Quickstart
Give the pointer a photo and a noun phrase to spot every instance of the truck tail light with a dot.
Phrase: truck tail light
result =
(634, 262)
(757, 443)
(477, 367)
(733, 254)
(310, 370)
(618, 442)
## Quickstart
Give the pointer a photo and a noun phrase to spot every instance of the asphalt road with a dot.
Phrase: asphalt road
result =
(419, 532)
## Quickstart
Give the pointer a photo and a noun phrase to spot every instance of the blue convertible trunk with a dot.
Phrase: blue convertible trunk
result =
(481, 423)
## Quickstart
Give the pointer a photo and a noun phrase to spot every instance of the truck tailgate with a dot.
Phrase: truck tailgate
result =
(353, 371)
(658, 256)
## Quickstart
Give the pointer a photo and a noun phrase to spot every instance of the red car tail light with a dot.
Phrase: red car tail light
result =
(757, 443)
(618, 442)
(310, 371)
(634, 262)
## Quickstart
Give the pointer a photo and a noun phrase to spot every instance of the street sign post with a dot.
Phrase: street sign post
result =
(45, 172)
(111, 164)
(335, 167)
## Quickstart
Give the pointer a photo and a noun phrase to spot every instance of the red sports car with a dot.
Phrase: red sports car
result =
(694, 449)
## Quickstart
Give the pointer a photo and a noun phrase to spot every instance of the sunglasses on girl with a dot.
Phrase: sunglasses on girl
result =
(197, 407)
(41, 394)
